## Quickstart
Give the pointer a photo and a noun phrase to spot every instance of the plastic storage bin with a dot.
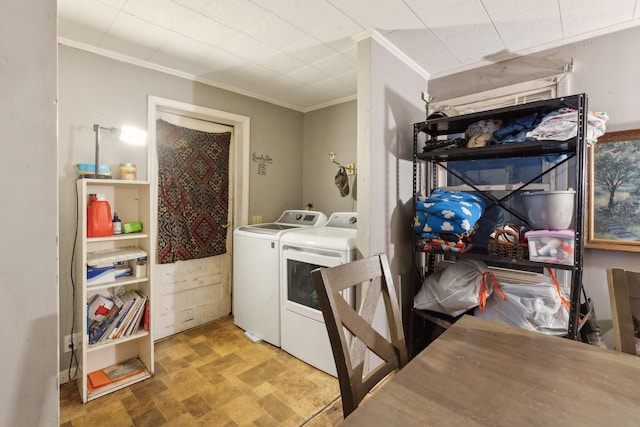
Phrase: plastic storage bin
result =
(87, 169)
(554, 246)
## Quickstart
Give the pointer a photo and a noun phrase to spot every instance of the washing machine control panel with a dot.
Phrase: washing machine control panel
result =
(308, 218)
(343, 220)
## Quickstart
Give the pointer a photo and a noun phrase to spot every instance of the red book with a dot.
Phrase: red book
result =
(145, 318)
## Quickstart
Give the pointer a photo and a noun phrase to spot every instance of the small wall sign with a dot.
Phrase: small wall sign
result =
(263, 160)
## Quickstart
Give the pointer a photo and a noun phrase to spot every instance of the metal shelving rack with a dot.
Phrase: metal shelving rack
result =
(427, 132)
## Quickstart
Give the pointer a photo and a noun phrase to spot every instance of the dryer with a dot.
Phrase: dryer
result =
(303, 333)
(256, 272)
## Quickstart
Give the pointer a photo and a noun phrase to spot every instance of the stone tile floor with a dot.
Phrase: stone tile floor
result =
(213, 375)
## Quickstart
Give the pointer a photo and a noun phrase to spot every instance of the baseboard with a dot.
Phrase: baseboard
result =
(63, 376)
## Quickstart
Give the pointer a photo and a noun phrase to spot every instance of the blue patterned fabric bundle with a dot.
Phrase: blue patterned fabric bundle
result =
(448, 212)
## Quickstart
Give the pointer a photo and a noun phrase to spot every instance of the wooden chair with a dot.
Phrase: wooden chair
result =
(349, 354)
(624, 293)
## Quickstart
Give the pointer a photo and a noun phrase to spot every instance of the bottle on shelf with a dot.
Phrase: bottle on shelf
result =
(99, 222)
(117, 224)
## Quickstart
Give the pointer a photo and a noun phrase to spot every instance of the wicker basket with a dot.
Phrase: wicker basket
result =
(497, 247)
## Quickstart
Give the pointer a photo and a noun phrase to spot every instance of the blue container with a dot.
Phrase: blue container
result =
(88, 168)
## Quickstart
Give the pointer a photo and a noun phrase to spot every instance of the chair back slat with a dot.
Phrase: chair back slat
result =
(624, 294)
(373, 276)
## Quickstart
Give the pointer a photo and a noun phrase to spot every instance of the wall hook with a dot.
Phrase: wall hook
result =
(349, 167)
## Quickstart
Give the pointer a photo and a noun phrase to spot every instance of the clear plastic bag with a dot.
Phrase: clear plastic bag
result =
(537, 307)
(456, 289)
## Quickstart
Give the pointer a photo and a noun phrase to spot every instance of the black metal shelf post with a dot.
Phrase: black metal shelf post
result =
(436, 155)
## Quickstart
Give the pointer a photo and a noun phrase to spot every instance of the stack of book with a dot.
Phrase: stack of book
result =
(116, 316)
(113, 376)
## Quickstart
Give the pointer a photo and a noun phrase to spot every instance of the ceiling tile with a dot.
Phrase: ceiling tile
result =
(263, 46)
(282, 63)
(126, 29)
(411, 39)
(339, 34)
(84, 20)
(307, 15)
(276, 32)
(324, 86)
(197, 5)
(474, 44)
(246, 46)
(182, 53)
(335, 64)
(379, 14)
(118, 4)
(307, 74)
(218, 59)
(522, 24)
(281, 83)
(579, 17)
(463, 18)
(436, 58)
(305, 98)
(239, 14)
(206, 30)
(226, 76)
(351, 54)
(350, 78)
(308, 49)
(427, 9)
(259, 73)
(164, 13)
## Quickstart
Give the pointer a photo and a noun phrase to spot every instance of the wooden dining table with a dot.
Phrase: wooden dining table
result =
(483, 373)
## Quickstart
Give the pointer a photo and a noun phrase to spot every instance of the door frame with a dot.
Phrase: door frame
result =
(239, 155)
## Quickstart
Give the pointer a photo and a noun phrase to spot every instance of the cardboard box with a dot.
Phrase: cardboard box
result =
(553, 246)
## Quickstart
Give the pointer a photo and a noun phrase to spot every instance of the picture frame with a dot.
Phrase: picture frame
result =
(613, 192)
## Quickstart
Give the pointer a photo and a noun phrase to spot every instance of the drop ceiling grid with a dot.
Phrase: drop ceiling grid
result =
(308, 44)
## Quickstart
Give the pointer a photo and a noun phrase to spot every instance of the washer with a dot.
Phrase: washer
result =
(303, 331)
(256, 272)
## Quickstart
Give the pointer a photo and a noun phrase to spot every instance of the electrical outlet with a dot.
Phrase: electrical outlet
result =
(67, 342)
(257, 219)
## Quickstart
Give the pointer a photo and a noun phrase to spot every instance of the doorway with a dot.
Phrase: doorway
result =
(194, 292)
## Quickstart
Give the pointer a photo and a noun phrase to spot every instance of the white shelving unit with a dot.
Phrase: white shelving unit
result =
(132, 201)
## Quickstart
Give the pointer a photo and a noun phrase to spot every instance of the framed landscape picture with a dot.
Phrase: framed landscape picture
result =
(613, 200)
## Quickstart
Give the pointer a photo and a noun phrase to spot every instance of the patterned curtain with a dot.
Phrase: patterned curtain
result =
(193, 192)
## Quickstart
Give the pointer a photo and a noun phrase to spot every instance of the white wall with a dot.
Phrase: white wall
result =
(608, 71)
(331, 129)
(389, 102)
(96, 89)
(28, 190)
